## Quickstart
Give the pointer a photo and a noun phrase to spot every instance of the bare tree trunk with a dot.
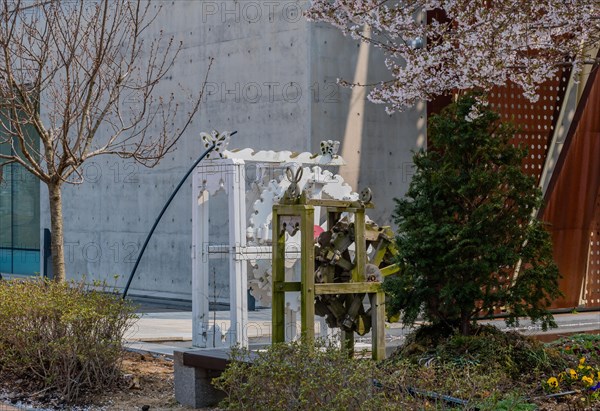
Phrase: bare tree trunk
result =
(56, 224)
(465, 323)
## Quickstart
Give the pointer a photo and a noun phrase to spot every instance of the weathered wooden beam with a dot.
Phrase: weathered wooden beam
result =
(347, 288)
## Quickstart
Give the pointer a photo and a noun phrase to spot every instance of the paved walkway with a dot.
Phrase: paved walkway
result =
(164, 332)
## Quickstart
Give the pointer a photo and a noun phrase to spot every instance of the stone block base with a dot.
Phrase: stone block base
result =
(193, 385)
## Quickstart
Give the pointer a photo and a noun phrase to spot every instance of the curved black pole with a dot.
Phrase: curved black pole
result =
(137, 262)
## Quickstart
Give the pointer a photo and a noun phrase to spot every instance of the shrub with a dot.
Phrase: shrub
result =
(297, 376)
(510, 353)
(60, 337)
(466, 237)
(489, 370)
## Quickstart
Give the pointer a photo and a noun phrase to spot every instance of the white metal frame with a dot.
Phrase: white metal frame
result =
(228, 174)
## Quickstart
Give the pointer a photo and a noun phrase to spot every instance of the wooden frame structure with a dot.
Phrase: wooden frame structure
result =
(300, 216)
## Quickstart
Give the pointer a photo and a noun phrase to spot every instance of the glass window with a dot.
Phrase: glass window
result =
(19, 217)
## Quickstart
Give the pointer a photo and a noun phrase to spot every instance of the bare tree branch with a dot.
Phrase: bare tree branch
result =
(466, 44)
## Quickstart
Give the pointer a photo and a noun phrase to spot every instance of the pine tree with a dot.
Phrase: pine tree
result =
(467, 238)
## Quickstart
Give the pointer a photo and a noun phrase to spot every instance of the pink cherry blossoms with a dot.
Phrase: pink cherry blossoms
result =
(436, 47)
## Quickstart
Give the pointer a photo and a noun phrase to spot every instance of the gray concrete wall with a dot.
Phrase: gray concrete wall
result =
(273, 80)
(377, 147)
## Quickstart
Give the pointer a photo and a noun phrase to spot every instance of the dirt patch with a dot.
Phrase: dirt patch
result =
(147, 385)
(148, 382)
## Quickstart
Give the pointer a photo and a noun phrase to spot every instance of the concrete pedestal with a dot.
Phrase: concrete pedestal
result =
(193, 384)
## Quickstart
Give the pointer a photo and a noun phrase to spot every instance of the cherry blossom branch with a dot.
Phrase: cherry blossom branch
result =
(467, 45)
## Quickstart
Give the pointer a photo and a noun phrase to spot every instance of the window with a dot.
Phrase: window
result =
(19, 219)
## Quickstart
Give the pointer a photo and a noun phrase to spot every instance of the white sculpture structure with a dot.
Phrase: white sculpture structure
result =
(252, 181)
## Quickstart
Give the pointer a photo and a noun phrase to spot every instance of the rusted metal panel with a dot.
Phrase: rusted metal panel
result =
(591, 292)
(572, 200)
(571, 205)
(535, 121)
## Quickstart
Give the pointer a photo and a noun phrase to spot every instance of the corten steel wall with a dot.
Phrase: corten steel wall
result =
(592, 284)
(535, 121)
(573, 205)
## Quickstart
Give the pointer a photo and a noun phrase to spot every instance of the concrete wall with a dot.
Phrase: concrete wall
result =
(273, 80)
(376, 146)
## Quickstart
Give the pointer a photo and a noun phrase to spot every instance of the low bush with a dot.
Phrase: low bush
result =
(517, 356)
(434, 369)
(62, 339)
(297, 376)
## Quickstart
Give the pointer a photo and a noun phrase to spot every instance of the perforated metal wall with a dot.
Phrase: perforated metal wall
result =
(535, 121)
(591, 292)
(572, 207)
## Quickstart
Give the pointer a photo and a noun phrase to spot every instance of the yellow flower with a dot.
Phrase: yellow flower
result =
(599, 375)
(552, 382)
(572, 373)
(587, 381)
(582, 360)
(561, 376)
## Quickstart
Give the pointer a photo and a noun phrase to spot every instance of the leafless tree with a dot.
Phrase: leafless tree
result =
(79, 79)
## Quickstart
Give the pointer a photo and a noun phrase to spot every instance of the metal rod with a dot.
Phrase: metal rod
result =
(137, 262)
(436, 396)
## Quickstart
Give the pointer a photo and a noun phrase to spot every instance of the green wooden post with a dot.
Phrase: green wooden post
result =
(377, 325)
(278, 273)
(347, 341)
(360, 260)
(360, 251)
(307, 301)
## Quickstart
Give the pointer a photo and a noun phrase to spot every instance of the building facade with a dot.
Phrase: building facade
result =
(274, 80)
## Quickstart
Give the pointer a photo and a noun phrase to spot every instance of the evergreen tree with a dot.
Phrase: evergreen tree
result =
(467, 238)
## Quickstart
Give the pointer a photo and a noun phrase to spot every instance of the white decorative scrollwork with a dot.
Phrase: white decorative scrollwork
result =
(260, 177)
(316, 183)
